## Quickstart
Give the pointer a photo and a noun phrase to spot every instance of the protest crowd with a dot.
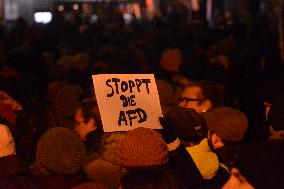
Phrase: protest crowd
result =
(220, 92)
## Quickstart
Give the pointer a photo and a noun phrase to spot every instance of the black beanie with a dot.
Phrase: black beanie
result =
(187, 124)
(61, 151)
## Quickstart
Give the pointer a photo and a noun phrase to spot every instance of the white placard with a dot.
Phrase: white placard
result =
(127, 101)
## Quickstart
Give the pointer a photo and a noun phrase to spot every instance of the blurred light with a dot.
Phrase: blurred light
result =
(149, 5)
(209, 8)
(60, 8)
(195, 5)
(75, 6)
(137, 10)
(11, 10)
(86, 9)
(127, 18)
(43, 17)
(94, 18)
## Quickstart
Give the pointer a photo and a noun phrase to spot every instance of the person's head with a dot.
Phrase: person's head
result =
(226, 125)
(258, 166)
(201, 96)
(59, 151)
(151, 178)
(87, 118)
(142, 147)
(237, 181)
(171, 60)
(7, 143)
(187, 124)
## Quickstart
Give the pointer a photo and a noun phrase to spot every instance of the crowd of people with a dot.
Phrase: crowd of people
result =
(220, 90)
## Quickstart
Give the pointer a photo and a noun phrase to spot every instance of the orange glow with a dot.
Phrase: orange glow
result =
(149, 5)
(134, 8)
(195, 5)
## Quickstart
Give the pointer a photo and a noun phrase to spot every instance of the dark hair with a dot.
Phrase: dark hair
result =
(209, 91)
(151, 178)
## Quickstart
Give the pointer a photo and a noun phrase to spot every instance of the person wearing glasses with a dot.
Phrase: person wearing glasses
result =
(202, 96)
(211, 140)
(101, 161)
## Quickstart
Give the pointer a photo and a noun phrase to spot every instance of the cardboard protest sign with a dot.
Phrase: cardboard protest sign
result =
(127, 101)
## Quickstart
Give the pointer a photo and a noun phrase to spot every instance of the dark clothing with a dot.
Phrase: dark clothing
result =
(102, 163)
(14, 174)
(93, 141)
(182, 162)
(59, 181)
(229, 153)
(150, 177)
(262, 164)
(219, 180)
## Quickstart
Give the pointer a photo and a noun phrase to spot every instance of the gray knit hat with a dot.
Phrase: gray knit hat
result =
(60, 150)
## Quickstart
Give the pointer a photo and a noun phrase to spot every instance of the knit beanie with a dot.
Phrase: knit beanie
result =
(187, 124)
(228, 123)
(7, 143)
(142, 147)
(61, 151)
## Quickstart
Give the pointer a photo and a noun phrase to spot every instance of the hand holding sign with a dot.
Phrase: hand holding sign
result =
(127, 101)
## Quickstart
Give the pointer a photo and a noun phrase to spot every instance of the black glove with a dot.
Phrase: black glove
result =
(167, 132)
